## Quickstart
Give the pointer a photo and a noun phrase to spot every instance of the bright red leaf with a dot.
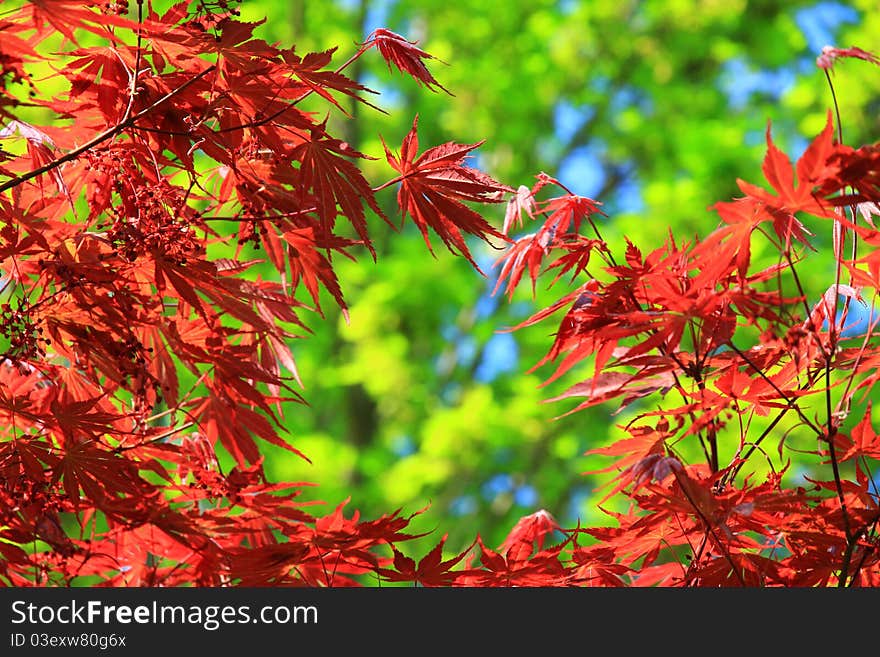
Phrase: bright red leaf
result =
(434, 187)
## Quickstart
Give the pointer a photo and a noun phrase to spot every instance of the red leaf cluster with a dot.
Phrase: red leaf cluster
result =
(141, 376)
(727, 355)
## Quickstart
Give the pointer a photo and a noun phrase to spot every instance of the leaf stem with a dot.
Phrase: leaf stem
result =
(836, 107)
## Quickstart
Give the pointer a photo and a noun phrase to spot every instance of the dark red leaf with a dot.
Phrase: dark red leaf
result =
(405, 55)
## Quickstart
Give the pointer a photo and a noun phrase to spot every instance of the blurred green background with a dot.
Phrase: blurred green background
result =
(653, 108)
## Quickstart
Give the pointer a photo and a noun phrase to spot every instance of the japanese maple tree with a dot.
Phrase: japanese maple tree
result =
(730, 362)
(132, 356)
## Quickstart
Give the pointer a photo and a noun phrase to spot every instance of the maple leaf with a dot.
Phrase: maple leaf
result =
(856, 168)
(595, 566)
(337, 530)
(569, 211)
(108, 66)
(40, 148)
(102, 476)
(610, 384)
(645, 442)
(560, 230)
(863, 440)
(405, 55)
(533, 528)
(236, 45)
(579, 251)
(799, 194)
(824, 310)
(67, 15)
(311, 267)
(433, 185)
(78, 419)
(518, 567)
(431, 570)
(309, 70)
(333, 180)
(224, 419)
(829, 54)
(742, 216)
(526, 253)
(522, 201)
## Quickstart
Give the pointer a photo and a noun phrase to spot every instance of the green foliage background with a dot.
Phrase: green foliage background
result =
(418, 400)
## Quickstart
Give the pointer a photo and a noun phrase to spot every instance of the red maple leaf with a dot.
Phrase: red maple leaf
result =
(404, 54)
(830, 53)
(332, 180)
(528, 530)
(795, 194)
(518, 567)
(863, 441)
(560, 230)
(309, 69)
(433, 186)
(310, 266)
(526, 253)
(431, 570)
